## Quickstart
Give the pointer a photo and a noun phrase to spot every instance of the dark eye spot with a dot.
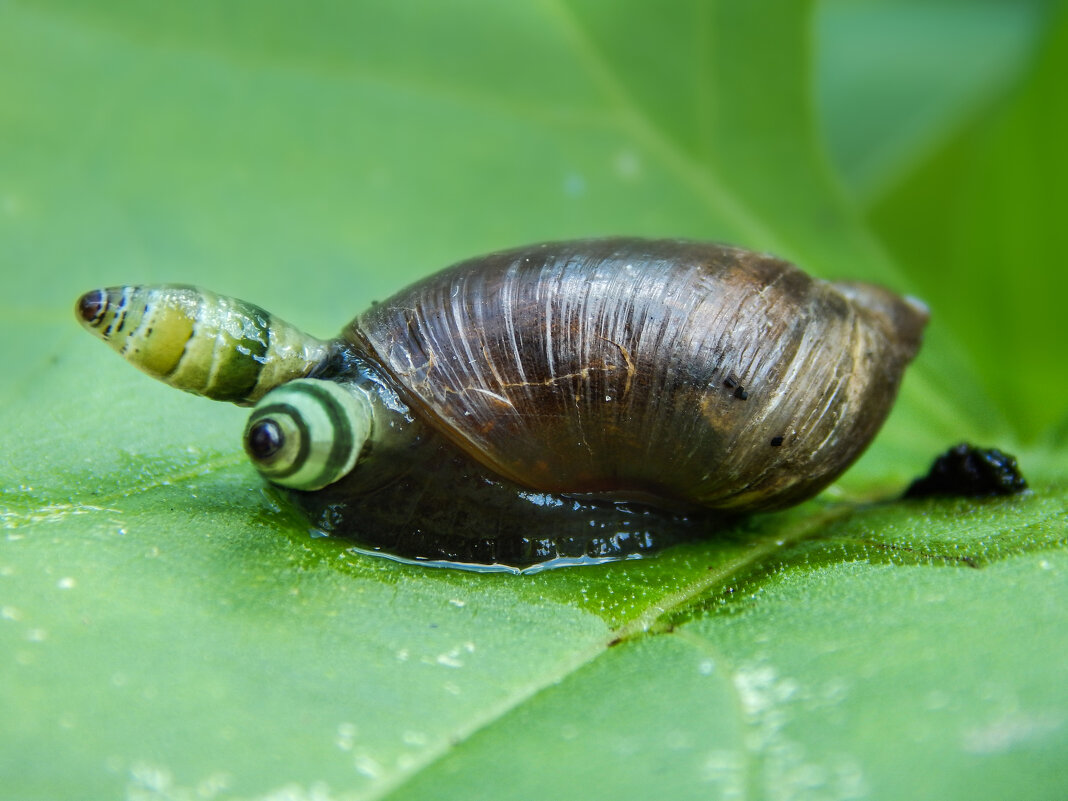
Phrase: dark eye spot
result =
(91, 306)
(264, 439)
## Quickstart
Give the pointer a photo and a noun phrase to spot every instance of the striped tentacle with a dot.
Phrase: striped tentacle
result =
(308, 433)
(211, 345)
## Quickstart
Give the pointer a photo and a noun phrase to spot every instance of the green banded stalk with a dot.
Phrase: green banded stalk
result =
(211, 345)
(308, 433)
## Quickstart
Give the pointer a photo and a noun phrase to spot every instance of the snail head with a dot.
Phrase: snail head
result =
(303, 433)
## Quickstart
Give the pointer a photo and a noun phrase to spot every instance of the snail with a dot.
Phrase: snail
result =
(557, 403)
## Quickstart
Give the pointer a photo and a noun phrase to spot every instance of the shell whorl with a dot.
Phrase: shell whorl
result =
(211, 345)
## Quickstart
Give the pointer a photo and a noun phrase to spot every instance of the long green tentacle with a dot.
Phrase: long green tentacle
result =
(211, 345)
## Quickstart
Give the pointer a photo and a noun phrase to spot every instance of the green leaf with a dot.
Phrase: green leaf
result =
(979, 226)
(897, 78)
(168, 631)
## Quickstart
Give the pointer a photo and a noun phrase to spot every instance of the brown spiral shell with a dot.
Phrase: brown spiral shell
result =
(678, 373)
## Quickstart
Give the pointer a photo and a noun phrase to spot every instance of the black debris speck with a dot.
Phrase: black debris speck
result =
(972, 472)
(776, 442)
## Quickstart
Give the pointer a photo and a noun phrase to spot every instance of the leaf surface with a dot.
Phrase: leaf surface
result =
(169, 631)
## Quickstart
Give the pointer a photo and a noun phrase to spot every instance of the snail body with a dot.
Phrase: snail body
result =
(592, 398)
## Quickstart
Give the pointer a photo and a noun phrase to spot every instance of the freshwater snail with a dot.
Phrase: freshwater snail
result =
(569, 400)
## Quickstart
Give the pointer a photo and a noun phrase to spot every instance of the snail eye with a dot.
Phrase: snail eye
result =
(308, 433)
(264, 439)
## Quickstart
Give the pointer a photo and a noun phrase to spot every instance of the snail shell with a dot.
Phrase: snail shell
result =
(700, 375)
(570, 399)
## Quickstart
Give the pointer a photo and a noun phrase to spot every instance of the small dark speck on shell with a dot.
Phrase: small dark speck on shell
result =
(968, 471)
(776, 442)
(741, 394)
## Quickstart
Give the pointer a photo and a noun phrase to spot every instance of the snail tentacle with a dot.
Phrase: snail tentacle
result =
(308, 433)
(194, 340)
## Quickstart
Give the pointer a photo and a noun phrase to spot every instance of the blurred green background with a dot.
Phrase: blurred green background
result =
(168, 632)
